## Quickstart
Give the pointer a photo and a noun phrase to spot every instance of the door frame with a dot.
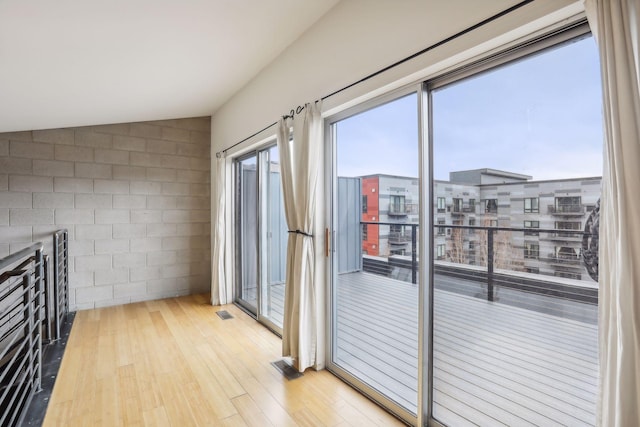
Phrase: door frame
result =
(256, 312)
(331, 269)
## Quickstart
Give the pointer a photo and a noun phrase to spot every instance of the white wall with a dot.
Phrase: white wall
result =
(359, 37)
(353, 40)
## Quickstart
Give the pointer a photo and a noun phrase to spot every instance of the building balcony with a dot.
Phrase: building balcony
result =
(402, 210)
(399, 238)
(566, 210)
(569, 237)
(564, 262)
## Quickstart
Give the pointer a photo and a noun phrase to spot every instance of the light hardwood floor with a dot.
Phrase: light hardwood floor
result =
(175, 362)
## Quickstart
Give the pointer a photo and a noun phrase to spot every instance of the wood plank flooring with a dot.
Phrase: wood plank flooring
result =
(175, 363)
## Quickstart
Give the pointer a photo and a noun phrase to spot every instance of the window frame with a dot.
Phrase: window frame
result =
(533, 224)
(531, 208)
(490, 60)
(458, 205)
(490, 206)
(557, 37)
(530, 252)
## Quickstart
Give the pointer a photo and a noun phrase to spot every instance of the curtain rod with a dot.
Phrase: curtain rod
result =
(395, 64)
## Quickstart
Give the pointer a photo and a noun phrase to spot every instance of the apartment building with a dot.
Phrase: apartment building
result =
(485, 198)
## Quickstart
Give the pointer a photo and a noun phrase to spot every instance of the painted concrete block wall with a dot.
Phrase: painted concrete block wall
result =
(135, 198)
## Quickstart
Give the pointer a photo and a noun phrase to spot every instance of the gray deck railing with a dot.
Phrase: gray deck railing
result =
(32, 310)
(491, 248)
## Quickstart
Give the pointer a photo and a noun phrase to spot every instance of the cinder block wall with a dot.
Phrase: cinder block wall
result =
(135, 198)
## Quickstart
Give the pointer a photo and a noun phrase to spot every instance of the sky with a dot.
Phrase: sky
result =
(540, 116)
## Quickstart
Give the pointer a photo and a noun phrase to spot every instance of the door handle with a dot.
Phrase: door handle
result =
(326, 242)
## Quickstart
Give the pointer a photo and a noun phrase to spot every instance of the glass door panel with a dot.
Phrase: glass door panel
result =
(375, 262)
(273, 238)
(515, 307)
(261, 237)
(247, 232)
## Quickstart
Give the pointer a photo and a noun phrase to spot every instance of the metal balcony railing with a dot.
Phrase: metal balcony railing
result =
(60, 289)
(399, 237)
(567, 260)
(483, 249)
(568, 236)
(31, 310)
(403, 209)
(21, 302)
(566, 209)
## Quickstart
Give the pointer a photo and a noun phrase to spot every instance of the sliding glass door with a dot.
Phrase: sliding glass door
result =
(376, 195)
(517, 155)
(476, 195)
(261, 236)
(247, 232)
(273, 239)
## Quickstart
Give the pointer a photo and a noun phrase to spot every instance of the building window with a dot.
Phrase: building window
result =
(364, 204)
(441, 229)
(472, 205)
(472, 252)
(365, 232)
(567, 254)
(440, 251)
(531, 205)
(395, 228)
(531, 250)
(457, 205)
(396, 204)
(531, 224)
(472, 223)
(441, 204)
(568, 204)
(491, 205)
(493, 223)
(396, 232)
(534, 270)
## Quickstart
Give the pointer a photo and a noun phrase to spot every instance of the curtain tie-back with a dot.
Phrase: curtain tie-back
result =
(300, 232)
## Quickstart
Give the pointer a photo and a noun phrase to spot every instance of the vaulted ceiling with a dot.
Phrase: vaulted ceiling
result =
(85, 62)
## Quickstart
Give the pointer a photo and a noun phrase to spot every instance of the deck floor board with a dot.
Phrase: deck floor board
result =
(494, 363)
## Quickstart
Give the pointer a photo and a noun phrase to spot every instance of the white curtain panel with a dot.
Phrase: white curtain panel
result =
(615, 26)
(299, 163)
(221, 292)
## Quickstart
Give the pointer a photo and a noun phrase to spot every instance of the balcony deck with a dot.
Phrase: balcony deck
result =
(493, 363)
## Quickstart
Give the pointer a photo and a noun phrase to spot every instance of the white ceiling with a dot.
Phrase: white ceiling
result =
(84, 62)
